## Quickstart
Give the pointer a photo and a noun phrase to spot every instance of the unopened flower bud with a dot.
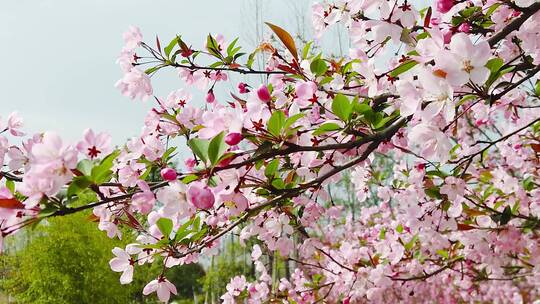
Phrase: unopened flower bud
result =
(263, 93)
(168, 174)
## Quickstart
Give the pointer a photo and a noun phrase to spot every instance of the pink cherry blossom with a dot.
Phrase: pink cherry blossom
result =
(94, 145)
(200, 195)
(143, 201)
(434, 144)
(162, 287)
(132, 38)
(465, 61)
(135, 84)
(14, 124)
(444, 6)
(123, 262)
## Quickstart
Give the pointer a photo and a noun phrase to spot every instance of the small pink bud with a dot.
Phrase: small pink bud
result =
(464, 27)
(444, 6)
(233, 138)
(242, 88)
(190, 163)
(200, 195)
(168, 174)
(210, 98)
(263, 93)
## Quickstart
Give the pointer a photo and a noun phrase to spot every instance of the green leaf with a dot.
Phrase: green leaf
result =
(362, 108)
(382, 234)
(271, 168)
(485, 177)
(506, 216)
(466, 98)
(468, 12)
(318, 66)
(341, 107)
(528, 183)
(399, 228)
(167, 155)
(231, 49)
(153, 69)
(183, 231)
(213, 47)
(276, 122)
(291, 120)
(492, 9)
(537, 88)
(102, 172)
(200, 148)
(278, 183)
(190, 178)
(165, 225)
(443, 253)
(494, 64)
(326, 127)
(85, 166)
(216, 148)
(409, 245)
(436, 173)
(433, 192)
(10, 185)
(168, 49)
(402, 68)
(382, 122)
(78, 184)
(305, 51)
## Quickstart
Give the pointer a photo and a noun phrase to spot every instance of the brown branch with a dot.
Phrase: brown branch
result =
(428, 275)
(226, 69)
(515, 24)
(516, 84)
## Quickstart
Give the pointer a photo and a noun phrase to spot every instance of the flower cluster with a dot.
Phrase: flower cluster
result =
(442, 143)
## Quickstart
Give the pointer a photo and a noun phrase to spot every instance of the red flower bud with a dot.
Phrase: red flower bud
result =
(210, 98)
(168, 174)
(464, 27)
(233, 138)
(243, 88)
(263, 93)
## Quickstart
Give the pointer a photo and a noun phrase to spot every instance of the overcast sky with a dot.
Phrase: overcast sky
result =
(58, 56)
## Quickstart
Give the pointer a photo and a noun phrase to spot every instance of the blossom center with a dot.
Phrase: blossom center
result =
(467, 66)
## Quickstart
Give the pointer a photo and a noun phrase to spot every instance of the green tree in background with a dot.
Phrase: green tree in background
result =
(67, 261)
(233, 260)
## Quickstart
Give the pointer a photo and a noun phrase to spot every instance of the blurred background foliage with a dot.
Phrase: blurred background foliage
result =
(66, 260)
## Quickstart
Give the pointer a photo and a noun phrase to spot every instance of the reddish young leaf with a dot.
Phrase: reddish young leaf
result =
(286, 38)
(465, 227)
(11, 203)
(93, 218)
(158, 44)
(286, 68)
(427, 20)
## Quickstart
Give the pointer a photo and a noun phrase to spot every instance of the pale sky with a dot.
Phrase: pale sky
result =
(58, 56)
